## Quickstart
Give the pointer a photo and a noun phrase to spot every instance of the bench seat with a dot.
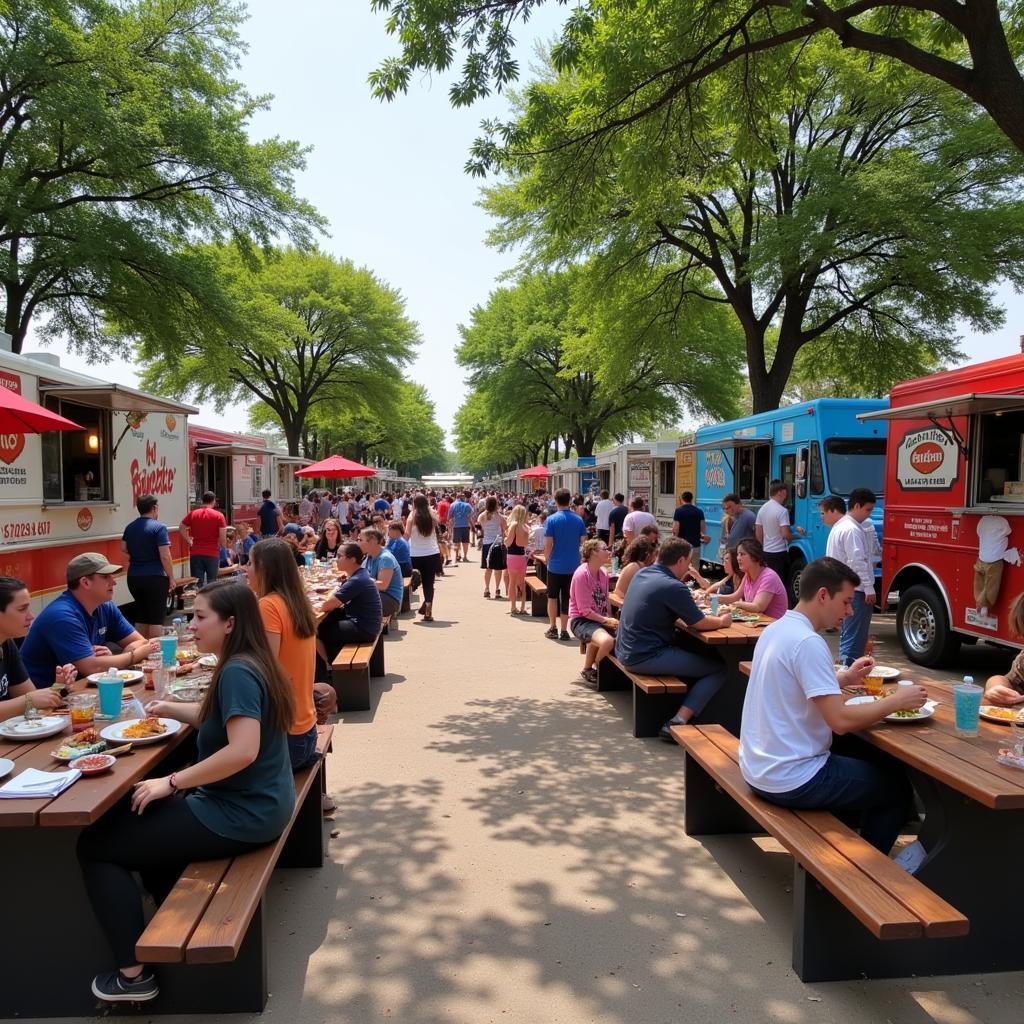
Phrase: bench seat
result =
(352, 668)
(214, 913)
(840, 879)
(538, 591)
(655, 698)
(406, 594)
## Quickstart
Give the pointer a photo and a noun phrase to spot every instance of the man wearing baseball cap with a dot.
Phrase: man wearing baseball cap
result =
(78, 625)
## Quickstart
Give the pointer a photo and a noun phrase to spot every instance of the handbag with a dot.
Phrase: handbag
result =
(502, 551)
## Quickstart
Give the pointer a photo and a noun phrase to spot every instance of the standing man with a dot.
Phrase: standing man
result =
(771, 528)
(305, 509)
(270, 519)
(847, 543)
(741, 520)
(459, 515)
(636, 520)
(205, 531)
(602, 512)
(688, 522)
(564, 531)
(325, 506)
(616, 517)
(794, 705)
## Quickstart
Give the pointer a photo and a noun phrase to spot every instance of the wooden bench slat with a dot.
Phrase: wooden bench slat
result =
(884, 916)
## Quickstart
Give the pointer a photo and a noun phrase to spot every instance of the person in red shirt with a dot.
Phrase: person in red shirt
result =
(442, 528)
(205, 531)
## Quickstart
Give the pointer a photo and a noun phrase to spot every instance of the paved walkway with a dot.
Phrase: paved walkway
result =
(506, 851)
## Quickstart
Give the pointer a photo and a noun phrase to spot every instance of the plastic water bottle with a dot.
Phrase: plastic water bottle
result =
(179, 627)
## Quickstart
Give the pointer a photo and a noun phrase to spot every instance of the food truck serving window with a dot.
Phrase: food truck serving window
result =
(76, 463)
(999, 475)
(855, 462)
(753, 470)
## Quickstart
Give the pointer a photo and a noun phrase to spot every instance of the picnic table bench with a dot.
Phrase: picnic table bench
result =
(406, 594)
(352, 669)
(655, 698)
(214, 915)
(538, 591)
(839, 878)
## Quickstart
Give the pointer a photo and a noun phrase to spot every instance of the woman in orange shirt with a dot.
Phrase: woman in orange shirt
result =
(291, 632)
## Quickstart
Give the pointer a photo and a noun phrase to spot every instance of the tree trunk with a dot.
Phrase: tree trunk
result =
(767, 386)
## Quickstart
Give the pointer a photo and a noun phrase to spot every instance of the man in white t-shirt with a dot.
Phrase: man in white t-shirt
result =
(636, 520)
(848, 543)
(602, 511)
(771, 528)
(794, 704)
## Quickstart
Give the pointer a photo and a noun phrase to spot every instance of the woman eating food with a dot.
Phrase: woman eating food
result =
(638, 554)
(762, 591)
(238, 795)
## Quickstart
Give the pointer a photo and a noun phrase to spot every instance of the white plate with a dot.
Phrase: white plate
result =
(126, 677)
(115, 733)
(19, 729)
(208, 661)
(863, 700)
(923, 712)
(5, 766)
(884, 671)
(987, 709)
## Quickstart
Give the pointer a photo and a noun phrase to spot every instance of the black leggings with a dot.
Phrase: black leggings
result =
(427, 565)
(159, 844)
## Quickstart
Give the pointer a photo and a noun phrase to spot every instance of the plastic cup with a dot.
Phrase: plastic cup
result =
(714, 603)
(308, 557)
(110, 697)
(873, 685)
(967, 705)
(82, 707)
(169, 649)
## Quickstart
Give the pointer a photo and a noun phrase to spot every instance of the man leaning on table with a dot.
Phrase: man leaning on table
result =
(794, 704)
(77, 626)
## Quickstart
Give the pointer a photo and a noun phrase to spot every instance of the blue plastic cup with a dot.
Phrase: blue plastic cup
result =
(110, 697)
(967, 705)
(308, 556)
(169, 650)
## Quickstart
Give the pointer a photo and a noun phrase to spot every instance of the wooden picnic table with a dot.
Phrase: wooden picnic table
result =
(540, 561)
(60, 948)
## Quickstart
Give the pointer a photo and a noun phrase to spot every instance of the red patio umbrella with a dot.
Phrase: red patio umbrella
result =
(531, 474)
(335, 467)
(20, 416)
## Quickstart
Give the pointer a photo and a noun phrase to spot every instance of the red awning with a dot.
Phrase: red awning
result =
(336, 467)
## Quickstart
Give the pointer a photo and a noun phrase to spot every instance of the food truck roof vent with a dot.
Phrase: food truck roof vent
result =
(1022, 343)
(50, 358)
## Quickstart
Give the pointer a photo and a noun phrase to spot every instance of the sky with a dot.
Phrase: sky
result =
(389, 178)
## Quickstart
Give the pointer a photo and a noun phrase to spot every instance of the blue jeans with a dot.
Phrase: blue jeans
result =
(704, 674)
(302, 749)
(855, 630)
(204, 568)
(878, 791)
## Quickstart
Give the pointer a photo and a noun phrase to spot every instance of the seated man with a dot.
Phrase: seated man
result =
(78, 625)
(383, 567)
(353, 612)
(15, 619)
(1008, 691)
(794, 704)
(656, 600)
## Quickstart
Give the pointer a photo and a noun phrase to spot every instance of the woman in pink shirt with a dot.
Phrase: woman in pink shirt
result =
(588, 606)
(762, 590)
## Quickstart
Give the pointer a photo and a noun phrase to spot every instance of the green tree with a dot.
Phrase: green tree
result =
(972, 46)
(848, 210)
(304, 331)
(123, 137)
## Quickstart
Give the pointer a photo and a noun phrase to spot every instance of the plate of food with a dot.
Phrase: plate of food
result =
(88, 741)
(127, 677)
(93, 764)
(33, 729)
(915, 715)
(189, 694)
(208, 661)
(185, 654)
(745, 617)
(884, 672)
(1001, 716)
(141, 730)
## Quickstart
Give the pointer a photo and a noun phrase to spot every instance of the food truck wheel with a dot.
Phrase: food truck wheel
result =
(797, 564)
(923, 627)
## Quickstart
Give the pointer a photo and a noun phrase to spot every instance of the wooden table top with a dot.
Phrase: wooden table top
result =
(87, 799)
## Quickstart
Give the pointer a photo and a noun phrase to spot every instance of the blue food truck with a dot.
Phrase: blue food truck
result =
(818, 448)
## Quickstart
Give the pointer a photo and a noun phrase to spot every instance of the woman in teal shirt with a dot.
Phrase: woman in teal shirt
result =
(238, 795)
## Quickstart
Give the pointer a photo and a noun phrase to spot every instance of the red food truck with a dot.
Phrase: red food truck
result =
(954, 507)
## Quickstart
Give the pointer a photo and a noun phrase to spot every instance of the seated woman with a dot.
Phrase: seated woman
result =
(588, 606)
(353, 613)
(240, 791)
(15, 618)
(291, 635)
(638, 554)
(329, 542)
(1008, 691)
(762, 590)
(730, 583)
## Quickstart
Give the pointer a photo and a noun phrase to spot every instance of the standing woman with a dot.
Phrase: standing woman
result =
(517, 540)
(422, 535)
(240, 791)
(291, 635)
(330, 540)
(150, 569)
(493, 526)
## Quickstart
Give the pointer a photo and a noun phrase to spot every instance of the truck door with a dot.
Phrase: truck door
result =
(787, 474)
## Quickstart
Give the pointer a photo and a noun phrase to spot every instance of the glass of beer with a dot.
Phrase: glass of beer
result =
(873, 685)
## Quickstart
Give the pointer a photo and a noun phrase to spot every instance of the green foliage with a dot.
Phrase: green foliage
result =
(123, 142)
(300, 332)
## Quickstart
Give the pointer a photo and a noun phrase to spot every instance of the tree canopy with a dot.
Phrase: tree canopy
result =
(124, 142)
(302, 332)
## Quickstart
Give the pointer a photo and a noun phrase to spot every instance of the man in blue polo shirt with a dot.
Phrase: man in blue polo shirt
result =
(383, 567)
(644, 641)
(352, 614)
(78, 625)
(460, 513)
(563, 533)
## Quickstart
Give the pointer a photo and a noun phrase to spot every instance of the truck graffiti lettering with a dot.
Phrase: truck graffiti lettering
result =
(154, 478)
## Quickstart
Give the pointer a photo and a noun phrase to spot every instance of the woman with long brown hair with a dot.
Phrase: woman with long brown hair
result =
(493, 525)
(240, 791)
(422, 534)
(291, 634)
(639, 553)
(330, 539)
